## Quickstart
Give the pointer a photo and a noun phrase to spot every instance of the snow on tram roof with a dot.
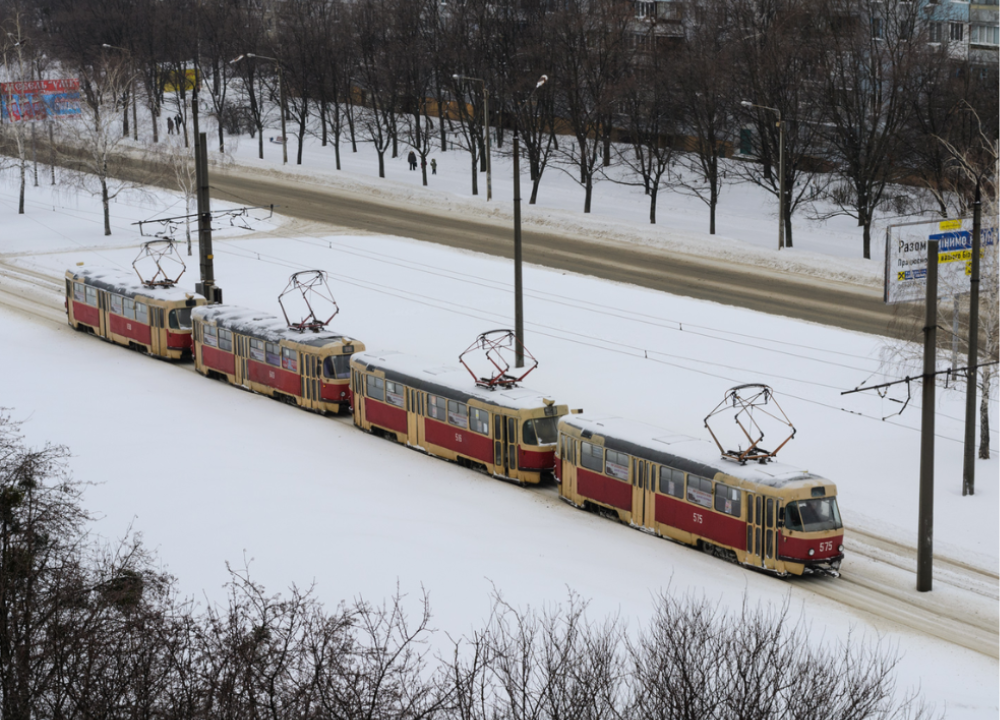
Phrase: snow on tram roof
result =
(264, 326)
(684, 452)
(430, 374)
(129, 284)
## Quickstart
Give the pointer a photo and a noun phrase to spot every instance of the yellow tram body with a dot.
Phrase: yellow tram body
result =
(116, 306)
(259, 352)
(769, 516)
(508, 432)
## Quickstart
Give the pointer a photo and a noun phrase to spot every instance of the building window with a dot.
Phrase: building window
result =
(957, 31)
(394, 394)
(934, 32)
(645, 9)
(616, 465)
(877, 28)
(984, 35)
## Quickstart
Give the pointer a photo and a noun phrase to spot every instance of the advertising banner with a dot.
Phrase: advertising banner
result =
(39, 99)
(906, 258)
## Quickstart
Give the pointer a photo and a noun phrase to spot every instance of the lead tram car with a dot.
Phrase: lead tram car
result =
(769, 516)
(114, 305)
(510, 432)
(258, 352)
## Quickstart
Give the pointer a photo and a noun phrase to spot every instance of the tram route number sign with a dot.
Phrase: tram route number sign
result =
(39, 100)
(906, 258)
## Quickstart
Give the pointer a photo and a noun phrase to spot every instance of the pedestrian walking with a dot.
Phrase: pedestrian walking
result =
(434, 166)
(170, 126)
(412, 157)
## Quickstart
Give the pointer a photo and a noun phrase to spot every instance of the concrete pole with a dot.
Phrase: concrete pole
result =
(518, 300)
(781, 181)
(972, 372)
(207, 285)
(486, 129)
(925, 522)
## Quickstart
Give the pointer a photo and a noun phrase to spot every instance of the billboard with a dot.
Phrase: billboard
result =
(173, 82)
(906, 258)
(39, 99)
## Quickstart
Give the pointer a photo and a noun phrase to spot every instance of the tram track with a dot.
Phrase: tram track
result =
(878, 576)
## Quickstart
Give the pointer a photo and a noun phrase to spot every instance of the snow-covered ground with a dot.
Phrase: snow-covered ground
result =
(213, 475)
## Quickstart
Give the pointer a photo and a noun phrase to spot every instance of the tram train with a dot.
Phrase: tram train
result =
(764, 515)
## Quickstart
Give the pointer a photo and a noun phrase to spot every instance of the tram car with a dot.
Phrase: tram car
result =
(769, 516)
(118, 307)
(259, 352)
(510, 432)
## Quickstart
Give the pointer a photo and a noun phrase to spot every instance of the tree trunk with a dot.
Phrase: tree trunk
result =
(156, 128)
(260, 141)
(302, 129)
(322, 121)
(867, 241)
(475, 176)
(381, 163)
(589, 188)
(107, 208)
(984, 415)
(535, 182)
(20, 203)
(652, 203)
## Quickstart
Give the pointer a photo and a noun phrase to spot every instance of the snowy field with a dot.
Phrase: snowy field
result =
(211, 475)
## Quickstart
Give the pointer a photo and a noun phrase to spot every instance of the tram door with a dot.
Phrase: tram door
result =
(505, 444)
(413, 412)
(643, 502)
(756, 530)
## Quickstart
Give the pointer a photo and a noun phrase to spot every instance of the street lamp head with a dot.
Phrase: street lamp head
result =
(456, 77)
(236, 60)
(541, 81)
(746, 103)
(105, 45)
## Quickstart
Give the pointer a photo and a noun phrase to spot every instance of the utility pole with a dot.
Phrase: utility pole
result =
(207, 285)
(518, 301)
(925, 521)
(972, 367)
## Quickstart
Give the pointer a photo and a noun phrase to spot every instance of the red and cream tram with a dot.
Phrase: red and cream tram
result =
(509, 432)
(769, 516)
(117, 306)
(259, 352)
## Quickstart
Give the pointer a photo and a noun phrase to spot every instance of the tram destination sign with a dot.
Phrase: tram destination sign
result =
(906, 258)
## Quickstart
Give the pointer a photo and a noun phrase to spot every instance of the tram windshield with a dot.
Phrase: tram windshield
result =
(813, 515)
(180, 319)
(540, 431)
(337, 367)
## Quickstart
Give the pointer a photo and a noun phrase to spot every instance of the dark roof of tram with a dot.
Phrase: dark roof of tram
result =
(128, 284)
(263, 326)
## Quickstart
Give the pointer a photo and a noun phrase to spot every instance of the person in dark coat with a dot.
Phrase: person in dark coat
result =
(413, 160)
(170, 126)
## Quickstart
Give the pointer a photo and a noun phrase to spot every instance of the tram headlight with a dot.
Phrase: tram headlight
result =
(811, 552)
(840, 548)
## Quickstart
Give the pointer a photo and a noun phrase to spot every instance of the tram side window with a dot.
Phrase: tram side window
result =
(375, 388)
(616, 465)
(211, 336)
(437, 407)
(116, 304)
(225, 340)
(671, 482)
(128, 308)
(272, 354)
(458, 414)
(699, 491)
(180, 319)
(727, 500)
(142, 313)
(591, 456)
(479, 421)
(337, 367)
(394, 393)
(257, 350)
(79, 292)
(793, 520)
(290, 359)
(91, 296)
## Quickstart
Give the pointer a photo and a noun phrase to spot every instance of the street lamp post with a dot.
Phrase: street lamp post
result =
(518, 294)
(781, 169)
(486, 131)
(281, 99)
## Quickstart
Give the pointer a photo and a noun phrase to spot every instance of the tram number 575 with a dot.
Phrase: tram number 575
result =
(698, 518)
(826, 546)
